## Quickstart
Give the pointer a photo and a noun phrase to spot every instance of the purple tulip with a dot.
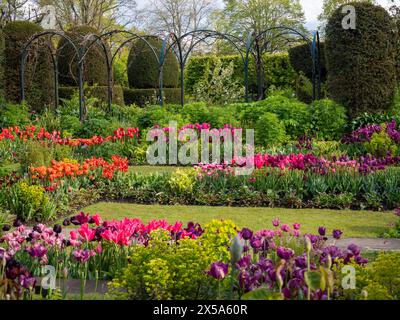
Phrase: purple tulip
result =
(57, 229)
(355, 250)
(244, 262)
(276, 222)
(285, 253)
(322, 231)
(6, 227)
(337, 234)
(246, 234)
(218, 270)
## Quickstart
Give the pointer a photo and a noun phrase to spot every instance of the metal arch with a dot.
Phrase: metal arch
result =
(314, 53)
(23, 58)
(183, 56)
(108, 62)
(133, 37)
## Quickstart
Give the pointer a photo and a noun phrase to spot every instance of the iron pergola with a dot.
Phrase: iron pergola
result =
(250, 46)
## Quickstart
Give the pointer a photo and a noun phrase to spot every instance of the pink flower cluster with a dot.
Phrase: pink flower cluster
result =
(40, 240)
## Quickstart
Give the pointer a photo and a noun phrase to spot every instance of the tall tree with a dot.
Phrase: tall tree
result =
(179, 17)
(11, 10)
(242, 17)
(99, 14)
(262, 18)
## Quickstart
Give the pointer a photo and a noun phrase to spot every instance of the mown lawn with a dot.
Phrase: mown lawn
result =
(367, 224)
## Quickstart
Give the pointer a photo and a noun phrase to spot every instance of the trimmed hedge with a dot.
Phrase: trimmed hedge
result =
(94, 66)
(39, 76)
(143, 66)
(99, 92)
(143, 97)
(2, 44)
(301, 61)
(361, 62)
(278, 71)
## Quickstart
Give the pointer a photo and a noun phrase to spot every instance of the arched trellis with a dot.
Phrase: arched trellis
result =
(174, 43)
(23, 58)
(110, 60)
(199, 36)
(313, 44)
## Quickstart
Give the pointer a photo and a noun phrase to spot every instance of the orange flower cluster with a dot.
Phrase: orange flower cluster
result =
(71, 169)
(40, 134)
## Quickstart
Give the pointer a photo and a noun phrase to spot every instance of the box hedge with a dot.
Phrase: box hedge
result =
(143, 97)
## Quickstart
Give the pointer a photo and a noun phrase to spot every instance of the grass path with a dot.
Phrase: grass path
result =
(357, 224)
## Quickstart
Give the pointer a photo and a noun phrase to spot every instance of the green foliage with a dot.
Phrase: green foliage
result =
(270, 130)
(2, 44)
(98, 92)
(303, 88)
(278, 71)
(218, 86)
(301, 61)
(143, 66)
(95, 66)
(183, 180)
(177, 270)
(36, 154)
(293, 113)
(328, 119)
(360, 62)
(30, 202)
(143, 97)
(379, 280)
(13, 114)
(380, 144)
(39, 80)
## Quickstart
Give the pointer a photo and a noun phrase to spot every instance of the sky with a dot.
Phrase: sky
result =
(312, 8)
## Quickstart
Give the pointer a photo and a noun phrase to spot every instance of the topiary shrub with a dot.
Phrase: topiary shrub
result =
(143, 66)
(39, 80)
(361, 62)
(94, 66)
(301, 61)
(269, 130)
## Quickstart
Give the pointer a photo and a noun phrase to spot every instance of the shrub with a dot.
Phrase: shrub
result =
(98, 92)
(360, 62)
(2, 44)
(269, 130)
(165, 270)
(293, 113)
(143, 66)
(301, 61)
(381, 144)
(30, 202)
(143, 97)
(94, 65)
(278, 71)
(328, 119)
(39, 79)
(218, 86)
(13, 114)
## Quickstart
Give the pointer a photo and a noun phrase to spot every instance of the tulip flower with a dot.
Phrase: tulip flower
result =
(218, 270)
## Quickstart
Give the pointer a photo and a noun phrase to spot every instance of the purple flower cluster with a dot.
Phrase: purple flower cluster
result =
(364, 134)
(278, 259)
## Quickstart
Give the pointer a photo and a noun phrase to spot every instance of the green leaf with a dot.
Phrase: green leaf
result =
(262, 294)
(314, 280)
